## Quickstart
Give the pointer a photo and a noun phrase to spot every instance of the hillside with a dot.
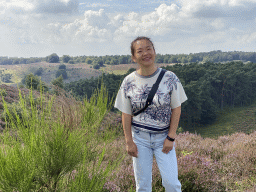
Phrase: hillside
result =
(205, 164)
(74, 71)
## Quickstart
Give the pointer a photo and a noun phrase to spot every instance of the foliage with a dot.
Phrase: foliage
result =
(53, 58)
(58, 82)
(88, 60)
(6, 77)
(66, 58)
(96, 66)
(3, 92)
(34, 82)
(71, 61)
(62, 66)
(62, 72)
(53, 150)
(212, 56)
(39, 71)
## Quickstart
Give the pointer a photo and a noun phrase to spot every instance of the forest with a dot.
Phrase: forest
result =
(98, 61)
(210, 87)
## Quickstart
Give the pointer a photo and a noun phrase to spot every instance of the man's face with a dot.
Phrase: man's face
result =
(144, 53)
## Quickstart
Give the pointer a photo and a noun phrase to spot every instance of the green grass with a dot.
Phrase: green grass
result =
(229, 121)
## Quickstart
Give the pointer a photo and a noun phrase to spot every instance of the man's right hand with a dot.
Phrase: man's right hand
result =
(132, 149)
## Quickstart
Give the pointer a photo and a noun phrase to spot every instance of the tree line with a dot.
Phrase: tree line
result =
(210, 87)
(99, 61)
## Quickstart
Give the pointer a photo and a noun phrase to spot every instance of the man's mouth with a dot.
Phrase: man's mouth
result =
(146, 58)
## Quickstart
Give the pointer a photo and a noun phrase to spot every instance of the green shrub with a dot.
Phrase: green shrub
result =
(3, 92)
(62, 72)
(62, 66)
(39, 153)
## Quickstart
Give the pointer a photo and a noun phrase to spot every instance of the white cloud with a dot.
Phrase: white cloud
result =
(245, 9)
(39, 6)
(95, 4)
(205, 23)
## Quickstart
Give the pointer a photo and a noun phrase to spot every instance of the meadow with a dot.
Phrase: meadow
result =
(56, 143)
(74, 71)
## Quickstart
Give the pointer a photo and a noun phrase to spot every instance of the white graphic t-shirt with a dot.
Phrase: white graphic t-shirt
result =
(133, 94)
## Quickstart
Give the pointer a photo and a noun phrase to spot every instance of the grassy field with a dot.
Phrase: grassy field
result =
(229, 121)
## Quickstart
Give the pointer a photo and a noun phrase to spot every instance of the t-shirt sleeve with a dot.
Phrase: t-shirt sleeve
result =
(178, 95)
(122, 101)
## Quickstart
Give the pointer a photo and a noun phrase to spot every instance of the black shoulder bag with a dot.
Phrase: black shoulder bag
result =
(152, 92)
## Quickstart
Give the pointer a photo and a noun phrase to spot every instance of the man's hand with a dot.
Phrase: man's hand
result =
(168, 145)
(132, 150)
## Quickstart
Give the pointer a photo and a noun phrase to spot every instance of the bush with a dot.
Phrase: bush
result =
(53, 58)
(6, 78)
(39, 71)
(96, 66)
(33, 82)
(61, 72)
(66, 58)
(204, 164)
(62, 67)
(58, 82)
(71, 62)
(50, 151)
(88, 60)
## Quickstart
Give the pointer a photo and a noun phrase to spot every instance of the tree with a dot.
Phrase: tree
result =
(15, 61)
(58, 82)
(53, 58)
(33, 82)
(71, 61)
(39, 71)
(88, 60)
(62, 72)
(66, 58)
(62, 67)
(6, 78)
(96, 66)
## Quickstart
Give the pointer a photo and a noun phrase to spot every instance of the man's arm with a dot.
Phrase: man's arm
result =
(175, 117)
(131, 147)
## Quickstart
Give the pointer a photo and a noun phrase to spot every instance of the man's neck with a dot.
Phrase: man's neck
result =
(146, 71)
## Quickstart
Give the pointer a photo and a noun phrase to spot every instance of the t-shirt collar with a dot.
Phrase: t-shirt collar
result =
(149, 76)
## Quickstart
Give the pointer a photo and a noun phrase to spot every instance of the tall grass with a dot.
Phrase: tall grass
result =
(52, 144)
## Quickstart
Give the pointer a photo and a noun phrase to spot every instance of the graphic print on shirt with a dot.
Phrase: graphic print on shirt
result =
(160, 110)
(171, 80)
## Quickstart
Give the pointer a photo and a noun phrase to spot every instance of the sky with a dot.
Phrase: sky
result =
(38, 28)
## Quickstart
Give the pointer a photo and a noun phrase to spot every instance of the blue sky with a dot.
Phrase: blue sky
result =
(37, 28)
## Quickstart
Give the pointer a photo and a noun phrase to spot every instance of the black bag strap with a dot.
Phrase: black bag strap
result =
(152, 92)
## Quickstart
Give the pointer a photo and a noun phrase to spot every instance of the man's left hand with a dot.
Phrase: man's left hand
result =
(168, 145)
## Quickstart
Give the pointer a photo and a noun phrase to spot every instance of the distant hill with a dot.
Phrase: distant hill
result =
(74, 71)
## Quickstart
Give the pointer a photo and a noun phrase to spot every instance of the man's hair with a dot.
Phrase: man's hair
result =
(137, 39)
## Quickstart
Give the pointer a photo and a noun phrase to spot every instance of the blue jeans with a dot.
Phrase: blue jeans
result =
(150, 144)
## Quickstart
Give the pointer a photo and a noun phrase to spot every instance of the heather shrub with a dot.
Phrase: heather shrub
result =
(224, 164)
(216, 164)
